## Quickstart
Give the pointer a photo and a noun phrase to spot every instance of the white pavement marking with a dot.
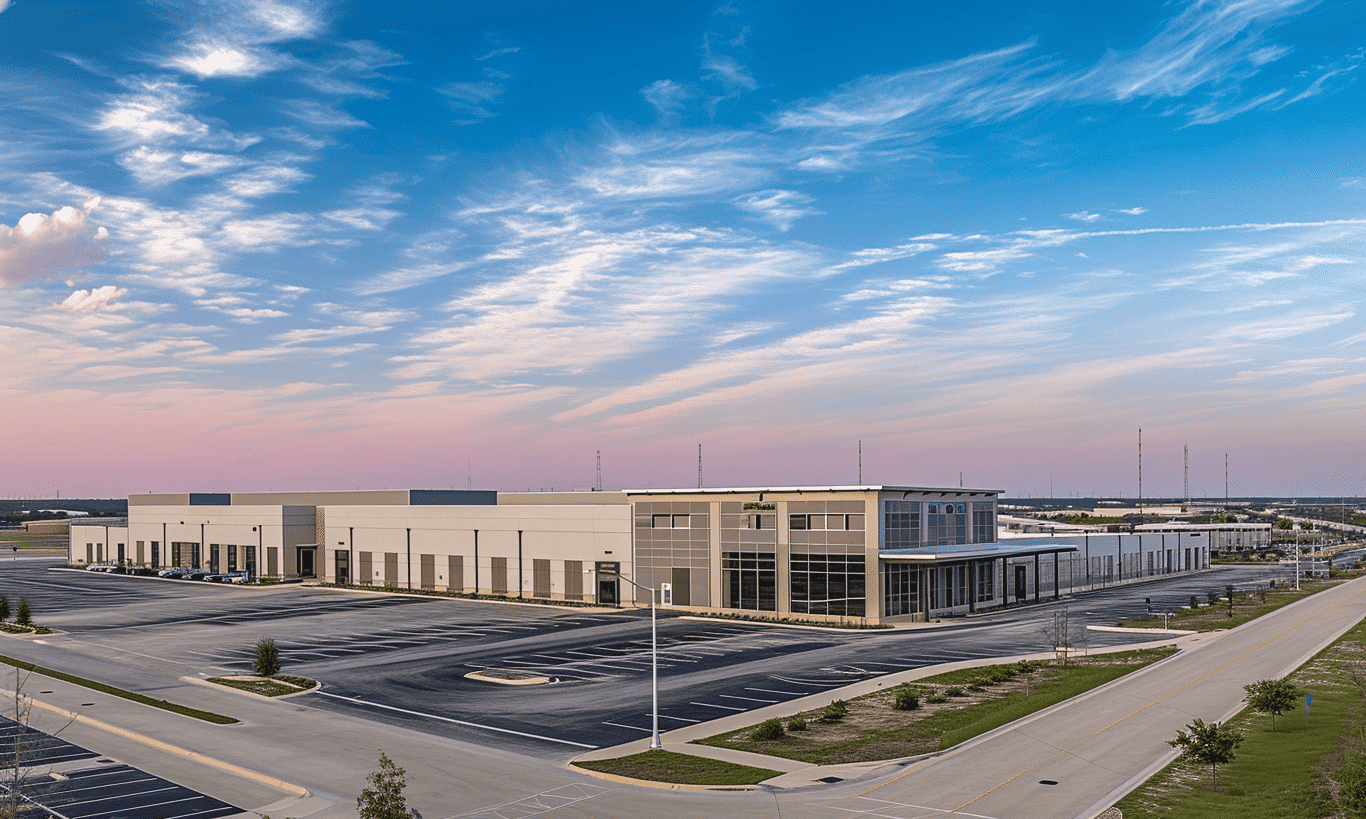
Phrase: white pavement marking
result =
(726, 707)
(537, 803)
(749, 699)
(456, 721)
(774, 691)
(680, 719)
(632, 727)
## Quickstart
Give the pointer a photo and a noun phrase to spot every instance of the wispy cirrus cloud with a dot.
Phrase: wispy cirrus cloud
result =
(237, 40)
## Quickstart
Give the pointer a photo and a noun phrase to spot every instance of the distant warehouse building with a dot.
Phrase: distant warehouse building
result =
(827, 553)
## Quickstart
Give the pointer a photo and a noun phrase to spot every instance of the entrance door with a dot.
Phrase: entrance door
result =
(343, 567)
(250, 568)
(308, 558)
(607, 591)
(1019, 584)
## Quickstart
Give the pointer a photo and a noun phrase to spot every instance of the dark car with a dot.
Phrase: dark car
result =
(175, 573)
(195, 574)
(217, 578)
(141, 571)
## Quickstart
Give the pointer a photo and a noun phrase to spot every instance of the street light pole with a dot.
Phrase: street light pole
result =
(655, 744)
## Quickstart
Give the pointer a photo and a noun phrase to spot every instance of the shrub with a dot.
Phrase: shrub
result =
(935, 699)
(767, 731)
(23, 616)
(4, 609)
(796, 724)
(835, 711)
(267, 661)
(955, 691)
(976, 687)
(1001, 675)
(907, 699)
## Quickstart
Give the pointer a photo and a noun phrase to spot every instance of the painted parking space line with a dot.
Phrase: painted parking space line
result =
(680, 719)
(775, 691)
(440, 718)
(749, 699)
(712, 705)
(632, 727)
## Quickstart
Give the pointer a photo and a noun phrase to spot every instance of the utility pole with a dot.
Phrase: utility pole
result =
(1140, 474)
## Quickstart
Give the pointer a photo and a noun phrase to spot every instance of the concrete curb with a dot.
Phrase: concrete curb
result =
(184, 753)
(680, 740)
(219, 687)
(1175, 632)
(668, 786)
(449, 599)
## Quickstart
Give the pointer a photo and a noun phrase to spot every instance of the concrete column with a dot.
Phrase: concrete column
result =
(1036, 578)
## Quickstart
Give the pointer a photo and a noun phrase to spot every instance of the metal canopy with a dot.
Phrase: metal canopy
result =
(985, 551)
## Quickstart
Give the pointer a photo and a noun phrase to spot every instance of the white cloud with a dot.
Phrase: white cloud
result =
(320, 115)
(265, 180)
(216, 59)
(471, 98)
(84, 301)
(152, 166)
(153, 111)
(267, 233)
(1084, 216)
(403, 278)
(233, 40)
(363, 218)
(40, 246)
(4, 4)
(777, 207)
(667, 97)
(1132, 211)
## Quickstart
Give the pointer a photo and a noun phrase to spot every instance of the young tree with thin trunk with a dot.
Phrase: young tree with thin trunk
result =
(1211, 744)
(1273, 697)
(384, 798)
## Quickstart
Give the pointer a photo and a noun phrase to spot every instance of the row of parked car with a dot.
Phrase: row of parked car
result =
(174, 573)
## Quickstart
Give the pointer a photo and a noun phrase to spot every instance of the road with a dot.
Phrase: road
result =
(1088, 746)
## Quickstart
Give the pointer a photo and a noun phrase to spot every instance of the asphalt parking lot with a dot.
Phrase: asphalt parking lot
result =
(57, 779)
(403, 660)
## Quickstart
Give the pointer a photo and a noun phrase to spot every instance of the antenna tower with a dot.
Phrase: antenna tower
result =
(599, 483)
(1186, 479)
(860, 463)
(699, 466)
(1140, 473)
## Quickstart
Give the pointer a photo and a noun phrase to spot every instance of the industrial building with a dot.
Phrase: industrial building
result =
(870, 554)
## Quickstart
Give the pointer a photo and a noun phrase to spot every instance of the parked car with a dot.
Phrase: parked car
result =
(238, 577)
(217, 578)
(195, 574)
(141, 571)
(175, 573)
(96, 567)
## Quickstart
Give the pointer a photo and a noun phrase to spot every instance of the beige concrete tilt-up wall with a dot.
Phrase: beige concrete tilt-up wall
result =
(519, 551)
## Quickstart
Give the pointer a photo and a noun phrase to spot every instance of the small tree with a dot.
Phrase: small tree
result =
(4, 608)
(1273, 697)
(1214, 744)
(23, 616)
(267, 657)
(384, 798)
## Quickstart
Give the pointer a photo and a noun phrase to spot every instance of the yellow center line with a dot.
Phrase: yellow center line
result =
(1133, 713)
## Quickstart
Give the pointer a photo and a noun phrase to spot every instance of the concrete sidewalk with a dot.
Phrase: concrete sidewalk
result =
(798, 774)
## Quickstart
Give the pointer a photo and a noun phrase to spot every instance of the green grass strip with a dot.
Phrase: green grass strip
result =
(207, 716)
(681, 769)
(951, 727)
(1283, 772)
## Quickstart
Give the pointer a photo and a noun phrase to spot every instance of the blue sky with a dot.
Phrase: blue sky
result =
(310, 245)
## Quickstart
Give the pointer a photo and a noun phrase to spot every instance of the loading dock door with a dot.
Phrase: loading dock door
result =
(1020, 584)
(682, 587)
(428, 563)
